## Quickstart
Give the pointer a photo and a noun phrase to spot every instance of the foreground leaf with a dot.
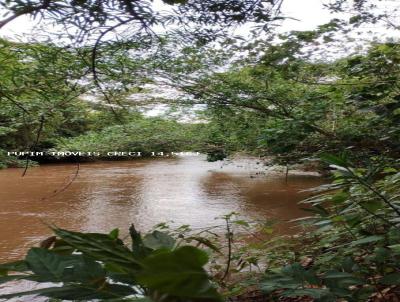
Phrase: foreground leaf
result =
(178, 273)
(78, 292)
(101, 247)
(157, 240)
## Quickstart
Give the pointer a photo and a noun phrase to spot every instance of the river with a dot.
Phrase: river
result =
(102, 196)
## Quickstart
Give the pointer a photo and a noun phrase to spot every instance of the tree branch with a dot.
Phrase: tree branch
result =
(25, 11)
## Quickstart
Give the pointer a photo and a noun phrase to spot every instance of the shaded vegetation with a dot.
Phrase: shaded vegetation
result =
(269, 95)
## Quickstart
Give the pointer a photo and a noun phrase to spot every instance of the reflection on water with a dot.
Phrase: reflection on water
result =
(106, 195)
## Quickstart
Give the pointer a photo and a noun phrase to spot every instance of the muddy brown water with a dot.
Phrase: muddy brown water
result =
(108, 195)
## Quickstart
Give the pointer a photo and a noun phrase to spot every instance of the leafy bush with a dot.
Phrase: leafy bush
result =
(141, 135)
(100, 266)
(353, 247)
(12, 162)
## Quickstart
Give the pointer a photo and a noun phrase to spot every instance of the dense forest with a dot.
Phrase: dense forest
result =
(299, 97)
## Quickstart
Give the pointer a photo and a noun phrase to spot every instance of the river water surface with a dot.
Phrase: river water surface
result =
(106, 195)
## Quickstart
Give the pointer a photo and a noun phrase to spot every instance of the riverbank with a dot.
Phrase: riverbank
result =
(260, 164)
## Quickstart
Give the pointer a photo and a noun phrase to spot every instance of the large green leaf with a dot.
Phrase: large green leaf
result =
(5, 279)
(391, 279)
(86, 270)
(300, 274)
(339, 197)
(317, 293)
(16, 266)
(338, 281)
(273, 282)
(337, 275)
(78, 292)
(179, 273)
(138, 247)
(158, 240)
(50, 266)
(369, 239)
(317, 209)
(101, 247)
(334, 160)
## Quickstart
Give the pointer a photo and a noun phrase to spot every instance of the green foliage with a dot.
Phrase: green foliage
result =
(10, 161)
(354, 229)
(141, 134)
(42, 106)
(295, 108)
(39, 95)
(100, 266)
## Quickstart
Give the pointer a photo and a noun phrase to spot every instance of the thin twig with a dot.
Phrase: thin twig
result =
(94, 59)
(229, 260)
(75, 176)
(32, 148)
(27, 10)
